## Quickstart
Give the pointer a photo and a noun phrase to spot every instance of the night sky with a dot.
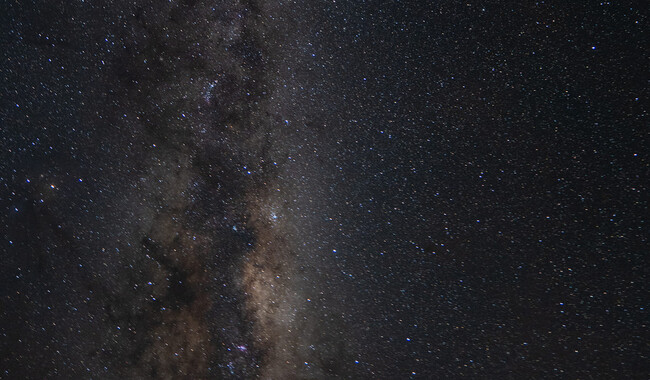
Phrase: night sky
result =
(243, 189)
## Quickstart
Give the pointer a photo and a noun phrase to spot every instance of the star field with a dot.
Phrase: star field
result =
(320, 190)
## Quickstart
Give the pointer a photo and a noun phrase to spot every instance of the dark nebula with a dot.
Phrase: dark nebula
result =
(322, 190)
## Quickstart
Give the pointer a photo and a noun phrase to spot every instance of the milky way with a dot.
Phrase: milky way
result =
(321, 190)
(202, 269)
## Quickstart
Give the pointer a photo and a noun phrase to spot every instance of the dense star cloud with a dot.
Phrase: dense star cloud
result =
(285, 190)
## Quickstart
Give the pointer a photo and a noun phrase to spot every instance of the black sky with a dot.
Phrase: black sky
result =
(317, 190)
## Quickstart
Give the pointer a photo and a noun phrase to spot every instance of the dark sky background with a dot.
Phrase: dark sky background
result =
(323, 189)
